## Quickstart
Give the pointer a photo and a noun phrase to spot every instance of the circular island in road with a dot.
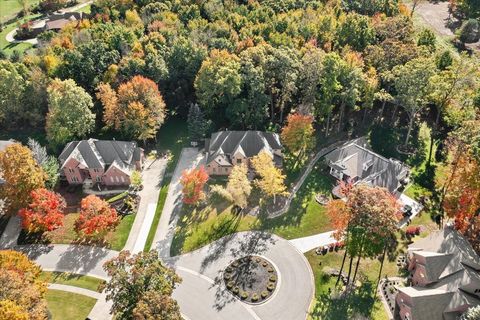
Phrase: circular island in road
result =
(252, 279)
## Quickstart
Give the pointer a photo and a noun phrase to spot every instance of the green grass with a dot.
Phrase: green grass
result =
(158, 213)
(172, 137)
(68, 306)
(118, 238)
(76, 280)
(305, 217)
(9, 8)
(117, 197)
(85, 9)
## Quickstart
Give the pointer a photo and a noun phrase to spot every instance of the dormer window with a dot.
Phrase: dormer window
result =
(367, 165)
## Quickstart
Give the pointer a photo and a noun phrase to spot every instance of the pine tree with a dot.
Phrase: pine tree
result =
(197, 125)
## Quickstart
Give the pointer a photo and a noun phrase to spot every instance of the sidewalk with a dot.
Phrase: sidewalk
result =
(10, 234)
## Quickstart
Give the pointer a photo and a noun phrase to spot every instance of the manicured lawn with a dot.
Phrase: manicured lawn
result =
(114, 240)
(158, 213)
(172, 137)
(76, 280)
(68, 306)
(306, 217)
(9, 8)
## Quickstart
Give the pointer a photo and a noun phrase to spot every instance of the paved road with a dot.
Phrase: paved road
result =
(203, 282)
(152, 177)
(189, 158)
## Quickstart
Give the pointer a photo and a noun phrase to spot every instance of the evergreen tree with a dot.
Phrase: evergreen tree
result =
(197, 125)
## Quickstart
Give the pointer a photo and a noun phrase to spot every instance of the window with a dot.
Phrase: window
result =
(239, 161)
(99, 179)
(116, 178)
(123, 179)
(71, 170)
(111, 180)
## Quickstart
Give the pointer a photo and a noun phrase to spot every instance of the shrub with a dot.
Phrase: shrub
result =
(270, 269)
(264, 294)
(255, 297)
(244, 295)
(412, 231)
(235, 290)
(271, 286)
(265, 264)
(227, 276)
(230, 284)
(470, 31)
(272, 278)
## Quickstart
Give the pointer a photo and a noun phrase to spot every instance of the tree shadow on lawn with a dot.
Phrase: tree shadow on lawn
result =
(353, 306)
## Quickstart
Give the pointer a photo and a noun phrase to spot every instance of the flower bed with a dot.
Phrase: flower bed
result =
(252, 279)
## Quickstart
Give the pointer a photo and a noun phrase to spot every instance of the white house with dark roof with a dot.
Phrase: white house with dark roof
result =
(105, 162)
(228, 148)
(355, 162)
(445, 276)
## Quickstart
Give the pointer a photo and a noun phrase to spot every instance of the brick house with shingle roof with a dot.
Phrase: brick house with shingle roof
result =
(445, 276)
(228, 148)
(106, 162)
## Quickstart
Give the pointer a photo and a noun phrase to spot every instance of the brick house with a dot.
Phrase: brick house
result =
(227, 148)
(445, 277)
(105, 162)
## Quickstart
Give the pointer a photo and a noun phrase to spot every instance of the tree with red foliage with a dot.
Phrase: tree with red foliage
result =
(96, 218)
(193, 182)
(44, 212)
(298, 135)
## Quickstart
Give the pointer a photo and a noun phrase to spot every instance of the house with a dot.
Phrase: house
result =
(58, 21)
(445, 276)
(355, 162)
(227, 148)
(105, 162)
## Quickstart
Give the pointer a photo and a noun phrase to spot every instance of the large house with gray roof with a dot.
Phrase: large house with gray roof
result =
(104, 162)
(228, 148)
(445, 277)
(355, 162)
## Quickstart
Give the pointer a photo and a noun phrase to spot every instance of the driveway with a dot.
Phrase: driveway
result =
(152, 176)
(202, 295)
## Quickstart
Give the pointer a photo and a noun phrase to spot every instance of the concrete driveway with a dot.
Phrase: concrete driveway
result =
(202, 295)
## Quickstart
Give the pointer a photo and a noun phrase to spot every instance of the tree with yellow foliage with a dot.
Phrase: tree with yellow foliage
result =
(22, 175)
(271, 181)
(9, 310)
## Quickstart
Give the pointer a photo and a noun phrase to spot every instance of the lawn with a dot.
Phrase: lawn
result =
(68, 306)
(9, 8)
(76, 280)
(158, 213)
(172, 137)
(306, 217)
(114, 240)
(7, 47)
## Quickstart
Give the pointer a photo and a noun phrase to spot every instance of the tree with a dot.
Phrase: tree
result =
(271, 181)
(69, 112)
(470, 31)
(193, 182)
(428, 39)
(22, 175)
(355, 30)
(21, 288)
(137, 108)
(136, 179)
(197, 124)
(472, 313)
(44, 212)
(25, 6)
(9, 310)
(49, 164)
(367, 221)
(298, 135)
(141, 287)
(238, 186)
(412, 84)
(96, 218)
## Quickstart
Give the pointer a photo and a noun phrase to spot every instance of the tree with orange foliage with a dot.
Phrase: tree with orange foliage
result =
(22, 292)
(45, 211)
(366, 221)
(136, 109)
(193, 182)
(96, 218)
(298, 135)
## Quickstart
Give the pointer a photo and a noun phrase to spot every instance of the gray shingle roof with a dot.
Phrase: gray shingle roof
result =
(249, 143)
(94, 153)
(355, 159)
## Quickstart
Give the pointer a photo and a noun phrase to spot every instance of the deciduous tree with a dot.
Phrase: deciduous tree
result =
(141, 287)
(193, 182)
(271, 181)
(239, 186)
(96, 218)
(44, 212)
(9, 310)
(298, 135)
(22, 175)
(69, 112)
(137, 108)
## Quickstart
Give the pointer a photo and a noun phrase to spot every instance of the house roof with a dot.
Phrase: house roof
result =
(59, 20)
(94, 153)
(452, 267)
(223, 144)
(355, 159)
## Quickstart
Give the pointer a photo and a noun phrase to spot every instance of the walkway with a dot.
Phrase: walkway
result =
(152, 177)
(189, 158)
(309, 243)
(302, 179)
(77, 290)
(10, 234)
